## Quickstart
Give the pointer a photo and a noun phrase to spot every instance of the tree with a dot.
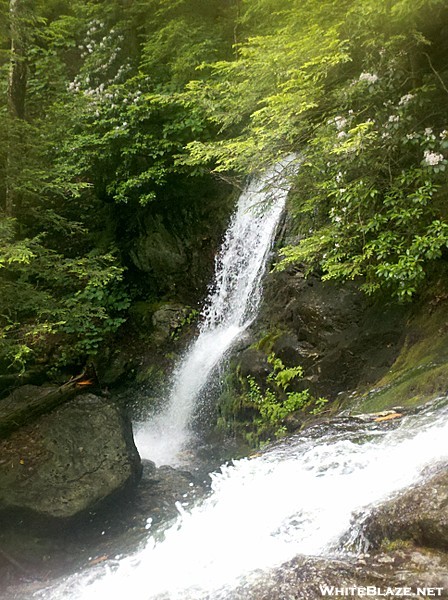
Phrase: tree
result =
(16, 92)
(358, 90)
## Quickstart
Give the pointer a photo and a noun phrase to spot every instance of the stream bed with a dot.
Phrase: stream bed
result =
(305, 496)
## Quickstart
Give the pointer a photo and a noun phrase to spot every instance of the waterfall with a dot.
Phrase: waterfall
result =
(305, 496)
(298, 497)
(229, 310)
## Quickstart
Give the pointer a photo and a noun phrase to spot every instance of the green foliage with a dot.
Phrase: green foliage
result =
(185, 322)
(277, 402)
(359, 89)
(264, 95)
(46, 296)
(131, 104)
(280, 375)
(376, 175)
(102, 127)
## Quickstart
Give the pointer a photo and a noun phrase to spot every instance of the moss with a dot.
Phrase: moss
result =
(393, 545)
(420, 371)
(417, 386)
(151, 374)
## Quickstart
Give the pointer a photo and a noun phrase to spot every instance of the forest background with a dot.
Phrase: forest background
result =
(108, 109)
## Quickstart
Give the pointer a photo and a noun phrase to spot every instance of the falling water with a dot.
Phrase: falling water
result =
(298, 497)
(229, 310)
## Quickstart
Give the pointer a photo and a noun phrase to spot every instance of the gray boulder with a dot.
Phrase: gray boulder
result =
(68, 461)
(419, 514)
(303, 578)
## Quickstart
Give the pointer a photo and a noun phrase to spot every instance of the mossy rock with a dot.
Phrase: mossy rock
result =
(420, 371)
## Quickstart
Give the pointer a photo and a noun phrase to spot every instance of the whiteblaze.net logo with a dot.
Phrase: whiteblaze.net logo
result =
(365, 591)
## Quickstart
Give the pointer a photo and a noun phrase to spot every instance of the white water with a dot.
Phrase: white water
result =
(297, 498)
(231, 307)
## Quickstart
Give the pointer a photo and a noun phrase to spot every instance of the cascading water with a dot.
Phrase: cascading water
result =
(298, 497)
(231, 307)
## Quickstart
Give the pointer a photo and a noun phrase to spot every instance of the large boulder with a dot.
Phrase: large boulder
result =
(419, 514)
(28, 402)
(68, 461)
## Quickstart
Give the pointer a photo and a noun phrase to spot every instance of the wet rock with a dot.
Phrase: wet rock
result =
(253, 362)
(419, 514)
(117, 529)
(405, 565)
(112, 367)
(167, 320)
(338, 335)
(29, 402)
(168, 244)
(164, 490)
(67, 461)
(304, 577)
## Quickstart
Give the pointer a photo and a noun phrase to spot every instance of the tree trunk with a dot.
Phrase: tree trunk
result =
(16, 97)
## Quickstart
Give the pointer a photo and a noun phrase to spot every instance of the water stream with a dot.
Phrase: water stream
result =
(298, 497)
(229, 310)
(304, 496)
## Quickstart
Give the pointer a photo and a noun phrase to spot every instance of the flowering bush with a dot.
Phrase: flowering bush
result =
(375, 174)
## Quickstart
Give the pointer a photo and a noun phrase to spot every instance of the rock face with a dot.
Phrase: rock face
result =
(304, 577)
(335, 332)
(341, 339)
(68, 461)
(419, 514)
(168, 244)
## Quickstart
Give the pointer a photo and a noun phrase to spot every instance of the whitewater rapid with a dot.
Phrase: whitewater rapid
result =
(298, 497)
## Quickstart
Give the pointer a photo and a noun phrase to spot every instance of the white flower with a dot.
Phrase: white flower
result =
(394, 119)
(342, 135)
(368, 77)
(405, 99)
(432, 158)
(337, 219)
(411, 136)
(340, 122)
(443, 134)
(428, 131)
